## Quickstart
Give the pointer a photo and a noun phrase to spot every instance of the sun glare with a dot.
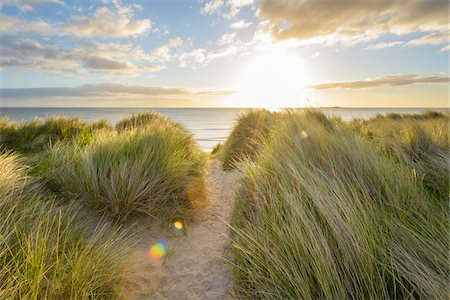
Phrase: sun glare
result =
(272, 80)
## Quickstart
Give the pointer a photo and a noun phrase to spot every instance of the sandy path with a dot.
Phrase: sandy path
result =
(194, 267)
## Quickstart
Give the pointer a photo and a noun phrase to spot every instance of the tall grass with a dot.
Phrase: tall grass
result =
(420, 141)
(37, 134)
(156, 170)
(140, 120)
(47, 252)
(320, 214)
(246, 137)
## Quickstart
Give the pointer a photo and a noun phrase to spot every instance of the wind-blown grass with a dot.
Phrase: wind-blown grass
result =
(35, 135)
(246, 137)
(320, 214)
(140, 120)
(420, 141)
(157, 169)
(48, 252)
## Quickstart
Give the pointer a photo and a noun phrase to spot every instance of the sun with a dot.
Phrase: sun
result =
(273, 79)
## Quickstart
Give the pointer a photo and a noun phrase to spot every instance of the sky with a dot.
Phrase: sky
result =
(224, 53)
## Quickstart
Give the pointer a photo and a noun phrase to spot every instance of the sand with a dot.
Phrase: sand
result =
(195, 266)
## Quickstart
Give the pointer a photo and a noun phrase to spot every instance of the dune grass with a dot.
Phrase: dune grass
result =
(243, 143)
(156, 169)
(36, 135)
(140, 120)
(321, 214)
(48, 252)
(70, 178)
(420, 141)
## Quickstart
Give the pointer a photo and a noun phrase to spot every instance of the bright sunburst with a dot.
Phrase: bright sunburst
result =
(272, 79)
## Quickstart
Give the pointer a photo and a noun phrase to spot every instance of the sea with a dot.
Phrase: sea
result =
(208, 125)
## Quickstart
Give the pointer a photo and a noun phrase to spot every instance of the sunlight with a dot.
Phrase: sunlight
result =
(271, 80)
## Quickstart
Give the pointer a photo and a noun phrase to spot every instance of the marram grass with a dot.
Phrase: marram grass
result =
(321, 214)
(47, 252)
(157, 169)
(246, 137)
(38, 134)
(420, 141)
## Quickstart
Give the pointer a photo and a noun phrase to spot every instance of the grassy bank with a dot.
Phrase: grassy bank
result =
(420, 141)
(36, 135)
(47, 252)
(61, 178)
(246, 137)
(157, 169)
(322, 213)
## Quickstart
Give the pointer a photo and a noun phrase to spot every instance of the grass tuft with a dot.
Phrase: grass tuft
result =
(245, 139)
(147, 170)
(47, 252)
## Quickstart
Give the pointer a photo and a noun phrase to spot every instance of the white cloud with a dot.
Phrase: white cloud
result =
(164, 52)
(239, 3)
(446, 48)
(383, 81)
(227, 39)
(12, 24)
(235, 6)
(385, 45)
(220, 53)
(196, 56)
(227, 10)
(212, 7)
(240, 24)
(107, 23)
(436, 38)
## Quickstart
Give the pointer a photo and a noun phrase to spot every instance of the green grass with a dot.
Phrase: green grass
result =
(157, 170)
(72, 176)
(140, 120)
(322, 214)
(49, 252)
(246, 137)
(419, 141)
(36, 135)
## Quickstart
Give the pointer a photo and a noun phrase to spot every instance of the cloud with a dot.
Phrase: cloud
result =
(227, 39)
(224, 52)
(107, 23)
(111, 58)
(235, 7)
(227, 10)
(352, 21)
(384, 81)
(446, 48)
(385, 45)
(212, 7)
(435, 38)
(12, 24)
(100, 63)
(196, 56)
(164, 52)
(106, 90)
(28, 5)
(240, 24)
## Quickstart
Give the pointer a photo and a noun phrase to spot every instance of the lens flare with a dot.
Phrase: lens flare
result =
(178, 225)
(304, 134)
(158, 250)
